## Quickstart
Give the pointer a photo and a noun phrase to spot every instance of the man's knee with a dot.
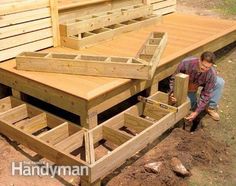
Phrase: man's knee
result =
(220, 82)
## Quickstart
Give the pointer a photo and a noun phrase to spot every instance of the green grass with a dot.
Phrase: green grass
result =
(228, 7)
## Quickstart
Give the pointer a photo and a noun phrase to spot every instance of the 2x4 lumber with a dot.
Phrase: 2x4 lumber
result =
(136, 123)
(160, 97)
(33, 46)
(33, 124)
(108, 18)
(165, 10)
(62, 6)
(39, 146)
(25, 27)
(125, 151)
(114, 136)
(154, 111)
(71, 143)
(89, 148)
(16, 93)
(163, 4)
(181, 88)
(5, 104)
(56, 134)
(21, 17)
(25, 38)
(55, 22)
(14, 7)
(15, 114)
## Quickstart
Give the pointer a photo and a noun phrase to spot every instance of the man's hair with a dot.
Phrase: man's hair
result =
(208, 56)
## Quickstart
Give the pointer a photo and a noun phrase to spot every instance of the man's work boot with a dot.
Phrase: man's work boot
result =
(213, 113)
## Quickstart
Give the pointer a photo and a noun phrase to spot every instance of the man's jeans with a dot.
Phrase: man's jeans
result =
(216, 95)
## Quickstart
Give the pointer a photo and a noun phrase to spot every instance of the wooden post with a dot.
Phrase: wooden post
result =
(89, 119)
(17, 94)
(181, 88)
(55, 22)
(90, 158)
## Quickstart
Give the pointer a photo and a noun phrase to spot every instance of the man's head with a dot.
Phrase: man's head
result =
(207, 60)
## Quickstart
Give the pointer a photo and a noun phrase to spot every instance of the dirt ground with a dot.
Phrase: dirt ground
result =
(209, 153)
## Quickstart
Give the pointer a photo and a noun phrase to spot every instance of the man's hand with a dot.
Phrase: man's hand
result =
(172, 100)
(191, 117)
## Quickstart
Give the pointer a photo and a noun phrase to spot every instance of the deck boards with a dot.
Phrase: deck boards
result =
(185, 31)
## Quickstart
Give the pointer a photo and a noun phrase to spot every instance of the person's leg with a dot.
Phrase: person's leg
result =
(213, 103)
(193, 99)
(217, 92)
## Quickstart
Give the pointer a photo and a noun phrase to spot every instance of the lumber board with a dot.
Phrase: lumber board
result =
(71, 143)
(15, 114)
(56, 134)
(89, 148)
(33, 124)
(11, 42)
(5, 104)
(55, 22)
(33, 46)
(165, 10)
(136, 123)
(65, 6)
(163, 4)
(114, 135)
(15, 7)
(12, 19)
(25, 27)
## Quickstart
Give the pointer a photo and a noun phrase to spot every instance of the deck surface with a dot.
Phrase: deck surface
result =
(185, 32)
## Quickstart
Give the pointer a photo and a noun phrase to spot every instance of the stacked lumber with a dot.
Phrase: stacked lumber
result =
(27, 26)
(141, 67)
(88, 30)
(161, 7)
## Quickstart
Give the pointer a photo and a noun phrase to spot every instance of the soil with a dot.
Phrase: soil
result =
(192, 149)
(209, 153)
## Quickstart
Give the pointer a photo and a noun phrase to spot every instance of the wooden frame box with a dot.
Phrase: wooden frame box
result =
(141, 67)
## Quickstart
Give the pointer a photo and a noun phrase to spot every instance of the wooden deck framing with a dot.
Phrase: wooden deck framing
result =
(28, 25)
(88, 96)
(121, 136)
(141, 67)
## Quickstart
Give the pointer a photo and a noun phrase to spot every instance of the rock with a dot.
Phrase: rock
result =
(178, 167)
(153, 167)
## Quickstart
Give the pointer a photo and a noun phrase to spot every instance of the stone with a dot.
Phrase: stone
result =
(154, 167)
(178, 167)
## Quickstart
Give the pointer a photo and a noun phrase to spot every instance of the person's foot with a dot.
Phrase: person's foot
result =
(213, 113)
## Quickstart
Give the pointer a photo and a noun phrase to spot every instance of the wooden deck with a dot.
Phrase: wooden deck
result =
(88, 96)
